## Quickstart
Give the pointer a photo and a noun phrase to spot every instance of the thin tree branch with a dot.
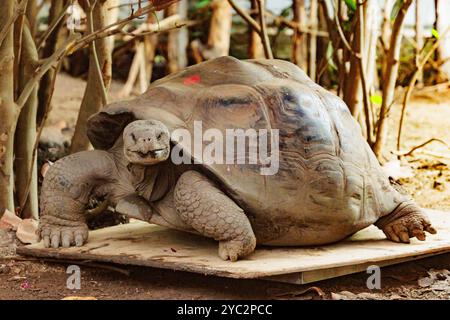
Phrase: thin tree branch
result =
(252, 22)
(18, 11)
(48, 63)
(39, 133)
(52, 27)
(362, 60)
(410, 152)
(295, 25)
(264, 34)
(94, 52)
(343, 38)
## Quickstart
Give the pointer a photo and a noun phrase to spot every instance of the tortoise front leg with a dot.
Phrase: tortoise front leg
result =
(66, 190)
(213, 214)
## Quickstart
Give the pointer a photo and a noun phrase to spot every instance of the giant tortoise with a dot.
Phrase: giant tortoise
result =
(327, 186)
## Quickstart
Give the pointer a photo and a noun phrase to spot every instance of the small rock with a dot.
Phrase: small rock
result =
(4, 269)
(368, 296)
(425, 282)
(343, 295)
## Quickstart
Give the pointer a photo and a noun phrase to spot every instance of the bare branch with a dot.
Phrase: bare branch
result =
(93, 49)
(18, 11)
(410, 152)
(48, 63)
(246, 16)
(264, 35)
(52, 27)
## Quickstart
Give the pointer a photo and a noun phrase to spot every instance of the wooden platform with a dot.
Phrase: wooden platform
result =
(142, 244)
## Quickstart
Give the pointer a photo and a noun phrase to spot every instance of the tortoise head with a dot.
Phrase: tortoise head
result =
(146, 142)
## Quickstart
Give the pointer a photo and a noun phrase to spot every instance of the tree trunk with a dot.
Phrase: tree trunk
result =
(369, 38)
(300, 49)
(32, 16)
(314, 23)
(44, 92)
(25, 135)
(419, 36)
(7, 111)
(150, 43)
(372, 22)
(443, 22)
(220, 30)
(93, 99)
(386, 34)
(390, 78)
(178, 40)
(386, 26)
(353, 88)
(255, 47)
(322, 76)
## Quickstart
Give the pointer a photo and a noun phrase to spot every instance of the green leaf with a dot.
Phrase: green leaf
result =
(159, 59)
(351, 4)
(330, 60)
(396, 9)
(376, 99)
(435, 33)
(201, 4)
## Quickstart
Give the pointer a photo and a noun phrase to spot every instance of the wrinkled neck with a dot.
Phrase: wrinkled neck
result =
(140, 176)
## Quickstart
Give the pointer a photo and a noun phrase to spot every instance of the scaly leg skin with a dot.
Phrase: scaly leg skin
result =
(407, 221)
(65, 192)
(210, 212)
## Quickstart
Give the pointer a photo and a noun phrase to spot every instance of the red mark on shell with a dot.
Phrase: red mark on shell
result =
(189, 81)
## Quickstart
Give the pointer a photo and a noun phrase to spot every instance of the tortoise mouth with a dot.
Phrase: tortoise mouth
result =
(147, 157)
(151, 154)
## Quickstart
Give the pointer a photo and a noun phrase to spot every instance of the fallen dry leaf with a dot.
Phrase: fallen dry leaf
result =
(79, 298)
(26, 232)
(9, 221)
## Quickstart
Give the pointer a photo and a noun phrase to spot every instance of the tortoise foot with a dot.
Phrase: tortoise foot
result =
(234, 249)
(407, 221)
(57, 233)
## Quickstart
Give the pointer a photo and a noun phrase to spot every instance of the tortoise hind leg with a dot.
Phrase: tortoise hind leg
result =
(407, 221)
(210, 212)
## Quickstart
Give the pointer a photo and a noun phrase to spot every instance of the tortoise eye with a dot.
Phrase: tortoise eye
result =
(159, 136)
(133, 137)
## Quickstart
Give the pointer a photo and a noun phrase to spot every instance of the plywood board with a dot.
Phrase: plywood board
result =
(142, 244)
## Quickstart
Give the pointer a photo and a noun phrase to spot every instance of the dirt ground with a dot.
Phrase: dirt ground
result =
(428, 117)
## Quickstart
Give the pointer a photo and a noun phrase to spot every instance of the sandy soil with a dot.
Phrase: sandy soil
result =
(428, 117)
